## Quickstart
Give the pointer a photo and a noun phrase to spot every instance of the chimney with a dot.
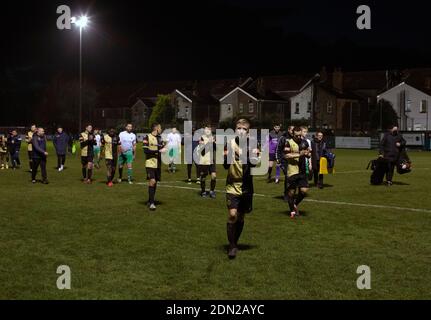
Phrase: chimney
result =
(261, 87)
(195, 88)
(337, 79)
(323, 74)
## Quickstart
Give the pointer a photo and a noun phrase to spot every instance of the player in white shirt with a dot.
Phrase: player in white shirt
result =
(127, 154)
(97, 147)
(174, 149)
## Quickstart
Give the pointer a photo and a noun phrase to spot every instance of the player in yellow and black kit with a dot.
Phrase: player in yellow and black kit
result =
(87, 141)
(239, 183)
(153, 148)
(4, 160)
(28, 139)
(296, 154)
(206, 161)
(111, 143)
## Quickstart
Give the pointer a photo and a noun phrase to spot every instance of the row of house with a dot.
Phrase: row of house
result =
(336, 100)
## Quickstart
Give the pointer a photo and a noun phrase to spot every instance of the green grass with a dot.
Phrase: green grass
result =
(116, 249)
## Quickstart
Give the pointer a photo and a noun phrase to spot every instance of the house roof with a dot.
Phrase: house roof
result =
(411, 84)
(419, 79)
(363, 80)
(257, 90)
(346, 94)
(198, 97)
(285, 83)
(118, 96)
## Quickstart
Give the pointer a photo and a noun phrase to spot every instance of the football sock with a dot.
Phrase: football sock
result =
(151, 194)
(189, 171)
(84, 173)
(90, 174)
(213, 184)
(203, 184)
(230, 230)
(300, 197)
(269, 172)
(291, 202)
(129, 173)
(239, 226)
(277, 172)
(120, 172)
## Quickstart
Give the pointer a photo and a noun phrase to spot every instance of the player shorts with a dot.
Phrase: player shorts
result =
(154, 173)
(272, 157)
(86, 160)
(30, 154)
(173, 152)
(111, 163)
(125, 158)
(96, 151)
(297, 181)
(206, 169)
(243, 203)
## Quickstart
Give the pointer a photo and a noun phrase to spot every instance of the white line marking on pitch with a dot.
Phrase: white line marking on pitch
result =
(338, 203)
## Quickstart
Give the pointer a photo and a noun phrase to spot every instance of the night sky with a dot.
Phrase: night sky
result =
(133, 41)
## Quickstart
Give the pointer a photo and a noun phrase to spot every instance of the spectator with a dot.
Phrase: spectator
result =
(14, 145)
(390, 148)
(61, 140)
(39, 155)
(318, 150)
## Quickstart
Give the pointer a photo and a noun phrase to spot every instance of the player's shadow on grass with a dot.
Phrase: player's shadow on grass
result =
(313, 186)
(241, 247)
(398, 183)
(145, 203)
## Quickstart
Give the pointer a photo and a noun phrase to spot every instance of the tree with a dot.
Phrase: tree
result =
(382, 115)
(163, 112)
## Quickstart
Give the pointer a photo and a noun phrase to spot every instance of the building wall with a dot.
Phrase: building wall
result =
(238, 104)
(140, 114)
(273, 110)
(413, 119)
(301, 102)
(349, 116)
(323, 118)
(184, 107)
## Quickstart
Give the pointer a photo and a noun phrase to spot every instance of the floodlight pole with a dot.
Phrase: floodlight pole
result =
(80, 79)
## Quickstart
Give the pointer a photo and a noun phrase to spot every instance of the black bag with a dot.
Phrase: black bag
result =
(379, 168)
(404, 165)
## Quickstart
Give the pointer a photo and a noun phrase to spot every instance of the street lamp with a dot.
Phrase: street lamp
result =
(81, 23)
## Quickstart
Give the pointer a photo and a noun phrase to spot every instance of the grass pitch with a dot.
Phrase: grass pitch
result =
(117, 249)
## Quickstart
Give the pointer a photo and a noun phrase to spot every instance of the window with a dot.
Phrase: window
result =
(329, 107)
(241, 108)
(251, 107)
(423, 107)
(409, 105)
(229, 107)
(356, 110)
(297, 108)
(309, 107)
(103, 113)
